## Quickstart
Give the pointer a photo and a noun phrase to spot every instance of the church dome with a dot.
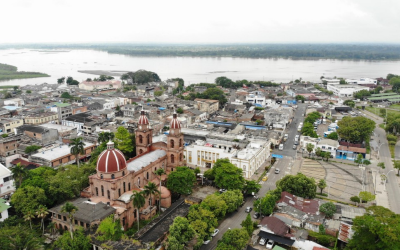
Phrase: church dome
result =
(143, 119)
(111, 160)
(175, 123)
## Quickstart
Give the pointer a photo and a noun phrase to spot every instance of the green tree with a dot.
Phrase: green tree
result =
(79, 241)
(396, 165)
(355, 129)
(151, 189)
(309, 148)
(41, 213)
(355, 199)
(366, 196)
(20, 237)
(66, 95)
(28, 91)
(333, 136)
(251, 187)
(70, 209)
(300, 98)
(61, 80)
(299, 185)
(138, 202)
(266, 204)
(248, 224)
(349, 103)
(181, 230)
(19, 172)
(105, 137)
(321, 229)
(32, 148)
(215, 204)
(232, 199)
(328, 209)
(159, 172)
(158, 93)
(77, 147)
(378, 228)
(123, 141)
(141, 77)
(199, 214)
(181, 181)
(233, 239)
(28, 216)
(28, 199)
(361, 94)
(109, 229)
(308, 130)
(321, 184)
(179, 110)
(228, 175)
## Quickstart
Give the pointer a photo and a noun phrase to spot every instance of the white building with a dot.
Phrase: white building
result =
(345, 90)
(6, 181)
(249, 159)
(331, 81)
(17, 102)
(256, 98)
(363, 80)
(328, 145)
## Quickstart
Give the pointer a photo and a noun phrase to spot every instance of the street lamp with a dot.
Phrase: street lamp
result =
(387, 176)
(379, 148)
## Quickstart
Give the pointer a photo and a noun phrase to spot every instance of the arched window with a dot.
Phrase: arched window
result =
(148, 139)
(172, 143)
(108, 194)
(124, 188)
(119, 192)
(123, 173)
(97, 191)
(180, 142)
(172, 158)
(102, 190)
(140, 139)
(140, 151)
(112, 176)
(138, 181)
(101, 176)
(147, 175)
(180, 157)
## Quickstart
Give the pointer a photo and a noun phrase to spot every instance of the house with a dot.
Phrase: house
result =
(83, 123)
(40, 118)
(256, 98)
(345, 90)
(63, 131)
(7, 125)
(130, 110)
(275, 225)
(207, 105)
(94, 85)
(196, 115)
(6, 181)
(363, 80)
(328, 145)
(17, 102)
(42, 135)
(350, 153)
(56, 155)
(8, 146)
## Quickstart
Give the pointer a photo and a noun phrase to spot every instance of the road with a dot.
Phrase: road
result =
(392, 186)
(233, 220)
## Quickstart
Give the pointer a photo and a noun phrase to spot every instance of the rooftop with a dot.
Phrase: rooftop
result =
(142, 161)
(4, 171)
(54, 152)
(304, 205)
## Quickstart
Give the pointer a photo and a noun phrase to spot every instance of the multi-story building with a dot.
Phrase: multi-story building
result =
(7, 125)
(40, 118)
(207, 105)
(256, 98)
(9, 145)
(6, 181)
(41, 134)
(345, 90)
(93, 85)
(17, 102)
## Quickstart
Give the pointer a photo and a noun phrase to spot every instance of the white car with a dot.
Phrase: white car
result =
(277, 170)
(281, 147)
(206, 242)
(216, 231)
(262, 241)
(270, 244)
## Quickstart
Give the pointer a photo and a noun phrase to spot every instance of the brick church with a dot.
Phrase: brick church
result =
(116, 179)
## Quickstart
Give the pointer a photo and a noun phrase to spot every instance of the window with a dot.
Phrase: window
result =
(134, 213)
(124, 188)
(123, 221)
(180, 142)
(172, 158)
(76, 222)
(108, 194)
(97, 191)
(148, 139)
(138, 181)
(112, 176)
(129, 186)
(6, 179)
(147, 175)
(180, 157)
(119, 192)
(34, 134)
(101, 176)
(64, 218)
(172, 143)
(140, 151)
(123, 173)
(150, 202)
(140, 139)
(102, 190)
(59, 216)
(323, 147)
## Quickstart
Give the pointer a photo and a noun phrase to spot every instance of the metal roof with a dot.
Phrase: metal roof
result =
(276, 238)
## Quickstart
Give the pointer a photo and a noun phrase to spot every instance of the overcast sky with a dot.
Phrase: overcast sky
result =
(206, 21)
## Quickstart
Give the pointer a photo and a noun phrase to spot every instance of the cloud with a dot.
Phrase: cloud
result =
(178, 21)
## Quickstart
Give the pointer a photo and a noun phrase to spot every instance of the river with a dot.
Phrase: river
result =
(59, 63)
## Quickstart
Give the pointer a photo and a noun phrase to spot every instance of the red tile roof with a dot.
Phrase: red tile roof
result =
(23, 162)
(353, 149)
(345, 232)
(305, 205)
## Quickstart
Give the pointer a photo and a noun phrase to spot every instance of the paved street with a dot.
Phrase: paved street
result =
(285, 165)
(392, 186)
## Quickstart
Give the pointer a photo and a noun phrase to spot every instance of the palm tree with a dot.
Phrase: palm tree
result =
(70, 209)
(52, 227)
(77, 147)
(138, 202)
(151, 189)
(160, 172)
(41, 213)
(19, 172)
(29, 215)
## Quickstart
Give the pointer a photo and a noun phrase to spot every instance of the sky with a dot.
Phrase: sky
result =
(206, 21)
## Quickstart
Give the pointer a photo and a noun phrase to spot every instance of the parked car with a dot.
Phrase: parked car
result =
(206, 242)
(248, 209)
(295, 147)
(270, 244)
(216, 231)
(277, 170)
(263, 241)
(265, 178)
(281, 147)
(256, 215)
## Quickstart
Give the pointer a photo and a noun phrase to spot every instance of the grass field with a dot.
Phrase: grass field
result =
(389, 111)
(9, 72)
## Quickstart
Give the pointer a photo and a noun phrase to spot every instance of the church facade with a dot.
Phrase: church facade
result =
(116, 179)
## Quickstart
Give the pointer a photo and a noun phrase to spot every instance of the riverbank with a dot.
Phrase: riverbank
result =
(10, 72)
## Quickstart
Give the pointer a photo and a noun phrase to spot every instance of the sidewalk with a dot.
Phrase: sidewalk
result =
(381, 196)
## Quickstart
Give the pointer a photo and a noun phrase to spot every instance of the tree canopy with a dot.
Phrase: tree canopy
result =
(228, 175)
(79, 241)
(181, 181)
(233, 239)
(328, 209)
(299, 185)
(266, 204)
(180, 233)
(141, 77)
(123, 141)
(215, 204)
(355, 129)
(109, 229)
(233, 199)
(28, 199)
